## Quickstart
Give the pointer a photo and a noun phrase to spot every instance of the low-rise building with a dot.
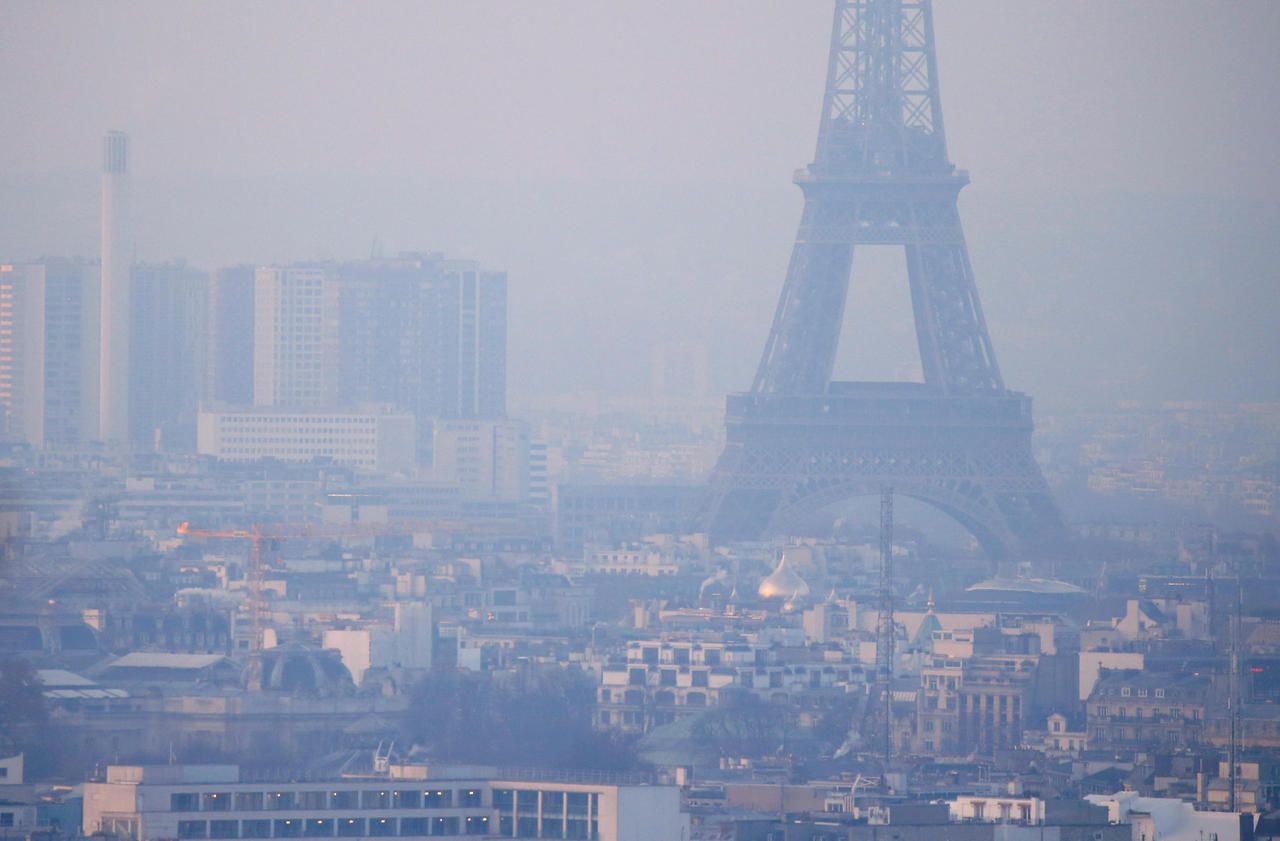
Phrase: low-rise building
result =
(379, 440)
(1130, 709)
(150, 803)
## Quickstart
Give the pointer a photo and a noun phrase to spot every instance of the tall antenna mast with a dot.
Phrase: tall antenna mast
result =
(1233, 693)
(884, 628)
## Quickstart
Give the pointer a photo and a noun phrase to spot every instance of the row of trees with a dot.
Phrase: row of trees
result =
(542, 719)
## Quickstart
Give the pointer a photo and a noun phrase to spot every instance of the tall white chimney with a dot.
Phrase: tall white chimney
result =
(117, 243)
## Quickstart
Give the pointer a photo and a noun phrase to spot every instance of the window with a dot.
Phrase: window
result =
(344, 800)
(437, 799)
(351, 827)
(503, 799)
(577, 804)
(526, 801)
(413, 826)
(469, 798)
(382, 827)
(444, 826)
(249, 801)
(375, 799)
(318, 827)
(216, 801)
(279, 801)
(193, 829)
(313, 800)
(477, 825)
(224, 829)
(6, 818)
(407, 799)
(184, 802)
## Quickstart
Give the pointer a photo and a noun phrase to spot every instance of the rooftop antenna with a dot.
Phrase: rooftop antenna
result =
(1233, 693)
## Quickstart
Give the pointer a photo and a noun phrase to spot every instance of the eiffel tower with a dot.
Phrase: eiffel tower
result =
(960, 441)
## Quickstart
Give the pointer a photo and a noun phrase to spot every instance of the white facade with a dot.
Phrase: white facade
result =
(381, 442)
(1169, 819)
(1007, 809)
(22, 292)
(209, 801)
(406, 643)
(486, 459)
(1093, 662)
(295, 337)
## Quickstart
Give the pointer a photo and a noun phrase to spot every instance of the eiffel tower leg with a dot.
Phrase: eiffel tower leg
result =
(800, 353)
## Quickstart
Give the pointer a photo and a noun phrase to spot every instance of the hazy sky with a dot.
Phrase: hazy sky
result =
(628, 163)
(1040, 94)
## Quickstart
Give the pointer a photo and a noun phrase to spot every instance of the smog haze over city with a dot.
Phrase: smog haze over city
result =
(728, 419)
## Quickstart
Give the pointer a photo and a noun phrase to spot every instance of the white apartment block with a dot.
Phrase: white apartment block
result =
(22, 293)
(486, 459)
(150, 803)
(295, 337)
(382, 442)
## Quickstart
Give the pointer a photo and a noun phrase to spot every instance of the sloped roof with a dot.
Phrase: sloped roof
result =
(165, 660)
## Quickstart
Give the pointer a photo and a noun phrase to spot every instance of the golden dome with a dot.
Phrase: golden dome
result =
(783, 583)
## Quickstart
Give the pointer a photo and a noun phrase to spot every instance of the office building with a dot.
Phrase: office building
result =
(381, 441)
(486, 459)
(148, 803)
(22, 291)
(49, 352)
(230, 354)
(295, 337)
(117, 247)
(168, 351)
(481, 390)
(425, 334)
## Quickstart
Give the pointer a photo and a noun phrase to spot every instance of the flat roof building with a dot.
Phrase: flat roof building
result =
(378, 441)
(149, 803)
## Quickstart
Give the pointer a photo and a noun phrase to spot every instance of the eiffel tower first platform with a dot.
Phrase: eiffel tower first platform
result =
(959, 440)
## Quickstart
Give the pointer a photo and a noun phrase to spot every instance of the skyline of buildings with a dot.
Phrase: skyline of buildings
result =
(277, 562)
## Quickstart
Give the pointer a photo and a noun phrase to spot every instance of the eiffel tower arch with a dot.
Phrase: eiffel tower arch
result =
(959, 440)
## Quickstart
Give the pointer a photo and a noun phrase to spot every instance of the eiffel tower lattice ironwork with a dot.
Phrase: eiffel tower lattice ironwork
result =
(960, 441)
